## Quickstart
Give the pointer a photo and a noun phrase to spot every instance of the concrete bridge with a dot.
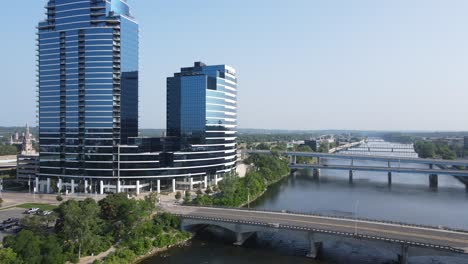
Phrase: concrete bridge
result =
(389, 168)
(245, 223)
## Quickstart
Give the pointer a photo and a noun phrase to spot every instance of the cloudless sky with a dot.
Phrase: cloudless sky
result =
(302, 64)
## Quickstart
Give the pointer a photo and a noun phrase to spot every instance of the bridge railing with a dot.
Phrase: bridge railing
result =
(323, 231)
(404, 224)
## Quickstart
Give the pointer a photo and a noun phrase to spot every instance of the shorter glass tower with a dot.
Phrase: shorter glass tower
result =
(202, 115)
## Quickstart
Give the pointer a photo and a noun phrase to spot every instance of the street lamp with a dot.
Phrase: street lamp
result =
(248, 198)
(355, 217)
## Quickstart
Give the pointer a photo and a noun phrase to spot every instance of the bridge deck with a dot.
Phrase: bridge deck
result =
(460, 173)
(422, 236)
(368, 157)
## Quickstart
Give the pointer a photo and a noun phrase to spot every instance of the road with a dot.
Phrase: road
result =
(415, 234)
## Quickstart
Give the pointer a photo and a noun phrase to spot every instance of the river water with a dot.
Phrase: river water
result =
(409, 199)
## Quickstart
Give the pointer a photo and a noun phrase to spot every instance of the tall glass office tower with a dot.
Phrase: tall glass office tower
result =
(202, 116)
(87, 88)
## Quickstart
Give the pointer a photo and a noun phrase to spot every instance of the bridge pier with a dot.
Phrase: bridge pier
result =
(351, 173)
(315, 247)
(389, 178)
(242, 237)
(316, 173)
(433, 181)
(403, 257)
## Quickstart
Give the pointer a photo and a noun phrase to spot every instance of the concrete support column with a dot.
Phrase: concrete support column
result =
(138, 187)
(85, 186)
(173, 185)
(36, 184)
(216, 179)
(433, 181)
(72, 186)
(191, 184)
(316, 173)
(205, 182)
(158, 186)
(101, 187)
(351, 174)
(241, 237)
(294, 159)
(315, 246)
(403, 257)
(118, 186)
(48, 186)
(60, 185)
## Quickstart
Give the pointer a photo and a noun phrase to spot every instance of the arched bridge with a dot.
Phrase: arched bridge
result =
(246, 222)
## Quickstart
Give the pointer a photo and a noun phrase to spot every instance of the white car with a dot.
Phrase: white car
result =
(32, 210)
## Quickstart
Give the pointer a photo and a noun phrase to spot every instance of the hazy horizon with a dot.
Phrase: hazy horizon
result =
(302, 65)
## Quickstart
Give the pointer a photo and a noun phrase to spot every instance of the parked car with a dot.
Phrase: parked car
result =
(16, 229)
(31, 211)
(11, 220)
(43, 213)
(7, 226)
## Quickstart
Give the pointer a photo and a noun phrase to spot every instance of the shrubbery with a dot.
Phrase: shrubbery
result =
(235, 191)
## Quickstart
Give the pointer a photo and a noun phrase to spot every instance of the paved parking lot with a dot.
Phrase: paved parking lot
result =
(9, 213)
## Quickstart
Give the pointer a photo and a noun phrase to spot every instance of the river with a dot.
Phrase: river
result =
(409, 199)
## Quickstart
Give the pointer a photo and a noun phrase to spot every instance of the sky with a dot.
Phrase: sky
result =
(301, 64)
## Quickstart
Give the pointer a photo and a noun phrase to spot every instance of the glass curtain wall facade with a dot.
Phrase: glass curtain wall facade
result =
(202, 115)
(87, 87)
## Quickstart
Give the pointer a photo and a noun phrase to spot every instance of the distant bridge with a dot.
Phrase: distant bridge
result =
(244, 223)
(390, 160)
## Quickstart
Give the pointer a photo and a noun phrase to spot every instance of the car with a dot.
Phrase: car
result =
(43, 213)
(31, 211)
(7, 226)
(11, 220)
(16, 229)
(275, 225)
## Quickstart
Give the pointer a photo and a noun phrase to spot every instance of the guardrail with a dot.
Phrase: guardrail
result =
(324, 231)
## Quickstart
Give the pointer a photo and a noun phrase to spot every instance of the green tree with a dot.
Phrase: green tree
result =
(425, 149)
(188, 197)
(324, 147)
(52, 251)
(28, 247)
(78, 224)
(8, 256)
(178, 196)
(263, 146)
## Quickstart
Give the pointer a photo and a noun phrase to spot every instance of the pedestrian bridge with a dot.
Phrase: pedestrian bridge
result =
(244, 223)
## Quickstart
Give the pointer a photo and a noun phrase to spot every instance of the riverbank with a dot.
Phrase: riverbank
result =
(156, 251)
(237, 192)
(264, 191)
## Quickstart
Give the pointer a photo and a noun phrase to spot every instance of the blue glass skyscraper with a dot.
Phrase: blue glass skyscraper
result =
(202, 115)
(88, 89)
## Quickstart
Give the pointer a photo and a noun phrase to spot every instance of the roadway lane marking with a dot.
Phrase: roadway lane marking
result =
(352, 227)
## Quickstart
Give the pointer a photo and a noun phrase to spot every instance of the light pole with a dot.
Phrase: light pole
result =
(355, 217)
(248, 198)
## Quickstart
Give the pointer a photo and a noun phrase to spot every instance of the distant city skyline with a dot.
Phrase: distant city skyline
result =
(304, 65)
